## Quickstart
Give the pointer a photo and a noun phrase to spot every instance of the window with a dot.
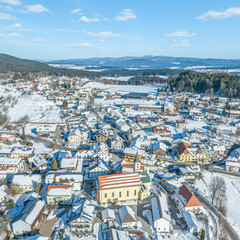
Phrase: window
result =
(127, 193)
(120, 194)
(112, 194)
(135, 192)
(105, 195)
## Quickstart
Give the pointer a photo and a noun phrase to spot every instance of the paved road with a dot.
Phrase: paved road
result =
(231, 232)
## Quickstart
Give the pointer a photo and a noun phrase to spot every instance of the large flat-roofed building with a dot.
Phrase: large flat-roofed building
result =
(119, 187)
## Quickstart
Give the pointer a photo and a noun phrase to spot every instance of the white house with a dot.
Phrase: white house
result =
(65, 178)
(28, 218)
(192, 223)
(161, 214)
(25, 182)
(127, 217)
(186, 200)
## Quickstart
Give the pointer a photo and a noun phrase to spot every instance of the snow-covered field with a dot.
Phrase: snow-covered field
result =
(233, 195)
(123, 88)
(37, 107)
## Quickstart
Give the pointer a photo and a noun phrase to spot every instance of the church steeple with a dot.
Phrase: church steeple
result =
(137, 164)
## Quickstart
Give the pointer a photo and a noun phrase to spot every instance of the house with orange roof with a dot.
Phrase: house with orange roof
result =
(59, 194)
(186, 200)
(190, 153)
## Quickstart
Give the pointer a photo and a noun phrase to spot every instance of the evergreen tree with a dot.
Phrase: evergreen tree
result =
(65, 104)
(54, 164)
(23, 134)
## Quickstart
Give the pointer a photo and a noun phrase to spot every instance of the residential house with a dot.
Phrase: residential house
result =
(127, 217)
(192, 223)
(59, 194)
(220, 150)
(28, 218)
(130, 154)
(98, 168)
(77, 137)
(232, 162)
(65, 178)
(187, 173)
(161, 215)
(190, 153)
(159, 149)
(39, 162)
(25, 182)
(108, 216)
(82, 217)
(186, 200)
(116, 142)
(22, 152)
(72, 164)
(11, 166)
(46, 129)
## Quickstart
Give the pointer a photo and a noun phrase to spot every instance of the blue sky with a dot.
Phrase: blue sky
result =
(62, 29)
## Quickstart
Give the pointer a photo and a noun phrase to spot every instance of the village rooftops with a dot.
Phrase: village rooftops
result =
(9, 161)
(59, 190)
(119, 181)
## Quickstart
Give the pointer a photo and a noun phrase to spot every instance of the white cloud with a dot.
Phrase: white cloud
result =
(76, 11)
(5, 16)
(12, 2)
(181, 34)
(77, 45)
(182, 43)
(36, 8)
(103, 34)
(125, 15)
(230, 12)
(9, 35)
(38, 40)
(16, 25)
(86, 19)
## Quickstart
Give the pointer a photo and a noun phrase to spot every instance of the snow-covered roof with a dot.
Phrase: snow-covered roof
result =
(108, 213)
(160, 207)
(26, 179)
(127, 214)
(191, 220)
(59, 190)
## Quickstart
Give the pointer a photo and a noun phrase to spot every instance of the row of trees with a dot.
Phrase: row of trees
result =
(207, 82)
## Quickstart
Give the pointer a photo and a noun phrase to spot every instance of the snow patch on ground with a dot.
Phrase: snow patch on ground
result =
(233, 195)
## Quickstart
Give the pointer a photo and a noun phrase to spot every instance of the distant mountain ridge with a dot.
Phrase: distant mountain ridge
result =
(153, 62)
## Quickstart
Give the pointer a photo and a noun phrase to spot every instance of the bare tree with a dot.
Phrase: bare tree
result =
(217, 189)
(24, 119)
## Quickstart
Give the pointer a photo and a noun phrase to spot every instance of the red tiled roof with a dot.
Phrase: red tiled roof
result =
(192, 200)
(119, 181)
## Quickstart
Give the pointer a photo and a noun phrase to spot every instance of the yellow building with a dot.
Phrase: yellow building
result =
(76, 136)
(125, 186)
(188, 153)
(119, 187)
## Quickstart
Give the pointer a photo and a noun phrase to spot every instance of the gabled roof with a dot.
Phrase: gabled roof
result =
(189, 199)
(160, 207)
(126, 215)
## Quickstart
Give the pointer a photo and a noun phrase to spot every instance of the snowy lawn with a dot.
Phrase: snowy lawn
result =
(233, 195)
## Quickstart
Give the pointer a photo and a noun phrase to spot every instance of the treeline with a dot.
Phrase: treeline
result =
(207, 82)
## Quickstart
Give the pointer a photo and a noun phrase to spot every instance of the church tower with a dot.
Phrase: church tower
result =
(137, 164)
